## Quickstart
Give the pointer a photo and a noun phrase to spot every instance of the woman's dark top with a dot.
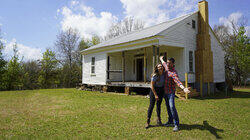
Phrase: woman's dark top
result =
(159, 80)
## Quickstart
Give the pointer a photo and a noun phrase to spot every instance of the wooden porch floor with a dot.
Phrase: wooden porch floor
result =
(130, 84)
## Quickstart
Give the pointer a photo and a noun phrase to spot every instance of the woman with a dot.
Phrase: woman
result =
(156, 93)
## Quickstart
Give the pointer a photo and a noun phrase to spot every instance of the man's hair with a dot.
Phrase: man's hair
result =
(171, 59)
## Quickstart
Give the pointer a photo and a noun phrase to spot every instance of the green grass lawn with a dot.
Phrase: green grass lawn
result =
(74, 114)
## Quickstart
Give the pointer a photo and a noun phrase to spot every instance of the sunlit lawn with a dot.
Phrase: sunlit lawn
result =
(74, 114)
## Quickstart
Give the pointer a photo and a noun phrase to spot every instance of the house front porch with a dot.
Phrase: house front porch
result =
(134, 67)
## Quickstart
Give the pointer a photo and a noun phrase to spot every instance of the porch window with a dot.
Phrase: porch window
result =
(191, 61)
(93, 65)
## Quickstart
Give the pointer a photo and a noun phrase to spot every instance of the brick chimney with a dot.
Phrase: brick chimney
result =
(203, 53)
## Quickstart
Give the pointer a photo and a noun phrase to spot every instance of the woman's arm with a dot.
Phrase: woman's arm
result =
(153, 90)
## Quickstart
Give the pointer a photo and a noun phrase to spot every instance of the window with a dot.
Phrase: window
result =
(191, 61)
(93, 65)
(193, 24)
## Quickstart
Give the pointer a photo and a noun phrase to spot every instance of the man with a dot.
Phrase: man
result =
(171, 78)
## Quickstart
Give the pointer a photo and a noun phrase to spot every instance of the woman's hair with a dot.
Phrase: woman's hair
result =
(156, 72)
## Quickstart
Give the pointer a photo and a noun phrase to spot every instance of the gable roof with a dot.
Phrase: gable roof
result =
(140, 34)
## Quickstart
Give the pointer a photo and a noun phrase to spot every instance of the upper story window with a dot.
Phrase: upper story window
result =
(93, 65)
(193, 24)
(191, 61)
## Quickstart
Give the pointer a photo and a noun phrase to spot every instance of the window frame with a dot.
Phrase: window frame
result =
(191, 61)
(92, 66)
(193, 24)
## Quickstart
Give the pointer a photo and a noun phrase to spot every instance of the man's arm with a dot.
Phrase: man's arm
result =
(174, 76)
(163, 63)
(177, 81)
(171, 74)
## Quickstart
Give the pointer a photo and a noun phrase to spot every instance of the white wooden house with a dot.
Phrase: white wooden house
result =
(128, 60)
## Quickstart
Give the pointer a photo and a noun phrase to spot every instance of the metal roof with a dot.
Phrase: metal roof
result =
(140, 34)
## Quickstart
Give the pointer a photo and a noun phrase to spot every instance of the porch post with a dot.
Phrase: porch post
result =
(157, 54)
(153, 57)
(145, 66)
(123, 66)
(107, 66)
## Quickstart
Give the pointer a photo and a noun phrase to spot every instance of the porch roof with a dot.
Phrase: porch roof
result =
(140, 34)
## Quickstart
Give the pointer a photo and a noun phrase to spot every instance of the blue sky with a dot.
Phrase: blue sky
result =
(34, 24)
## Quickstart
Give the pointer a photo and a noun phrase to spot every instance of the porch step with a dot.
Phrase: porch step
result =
(180, 93)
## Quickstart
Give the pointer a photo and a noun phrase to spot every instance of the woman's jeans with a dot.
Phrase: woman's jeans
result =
(160, 93)
(172, 112)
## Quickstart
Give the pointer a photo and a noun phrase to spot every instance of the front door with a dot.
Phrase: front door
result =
(139, 69)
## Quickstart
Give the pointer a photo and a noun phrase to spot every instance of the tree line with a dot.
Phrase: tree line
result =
(61, 65)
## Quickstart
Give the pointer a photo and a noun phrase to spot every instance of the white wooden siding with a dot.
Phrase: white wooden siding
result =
(183, 35)
(218, 59)
(100, 69)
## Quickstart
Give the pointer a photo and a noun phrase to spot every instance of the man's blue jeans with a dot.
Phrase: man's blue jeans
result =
(172, 112)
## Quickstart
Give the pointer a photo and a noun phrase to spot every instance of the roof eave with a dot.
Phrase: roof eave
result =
(151, 38)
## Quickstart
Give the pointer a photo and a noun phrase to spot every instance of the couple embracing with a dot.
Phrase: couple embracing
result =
(163, 81)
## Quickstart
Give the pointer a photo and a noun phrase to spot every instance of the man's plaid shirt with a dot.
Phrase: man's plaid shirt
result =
(171, 78)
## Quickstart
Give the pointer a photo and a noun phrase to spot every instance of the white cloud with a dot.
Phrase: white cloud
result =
(147, 10)
(236, 18)
(82, 18)
(28, 53)
(157, 11)
(73, 3)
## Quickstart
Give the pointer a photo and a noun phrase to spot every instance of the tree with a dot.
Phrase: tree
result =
(2, 66)
(240, 51)
(48, 76)
(127, 25)
(14, 69)
(86, 43)
(67, 44)
(235, 43)
(30, 74)
(95, 40)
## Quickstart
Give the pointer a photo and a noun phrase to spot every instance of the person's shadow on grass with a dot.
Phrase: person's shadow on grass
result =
(205, 126)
